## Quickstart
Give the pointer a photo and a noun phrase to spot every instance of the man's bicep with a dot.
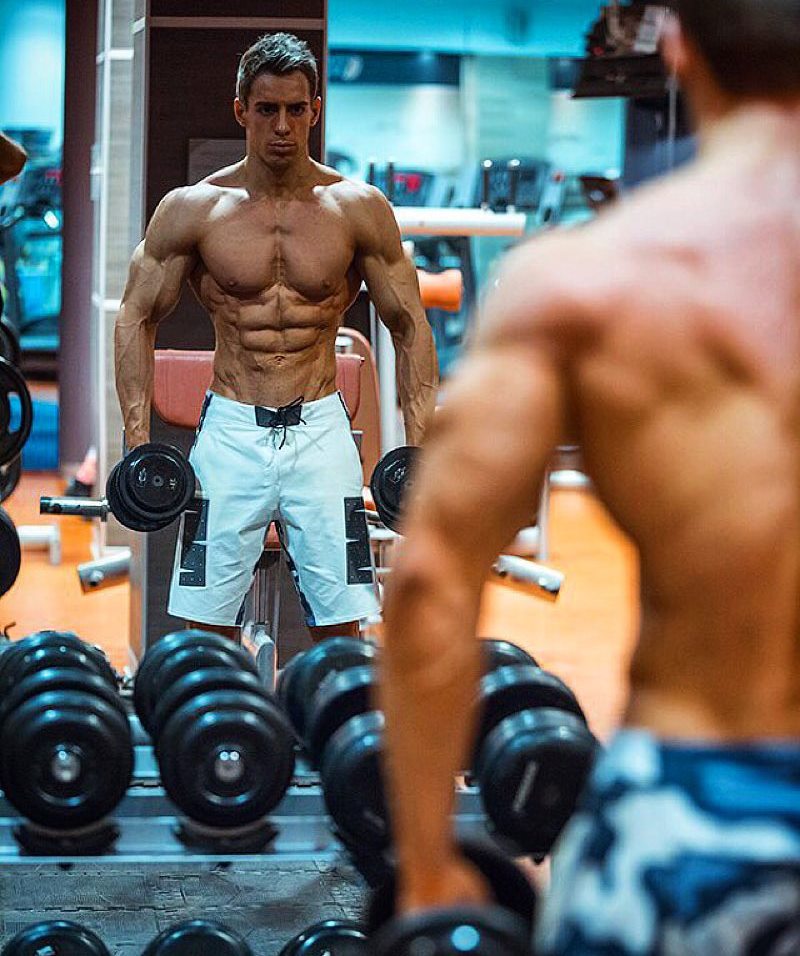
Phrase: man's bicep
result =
(160, 264)
(485, 461)
(388, 272)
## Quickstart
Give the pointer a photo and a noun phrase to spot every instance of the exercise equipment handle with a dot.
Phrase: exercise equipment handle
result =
(531, 577)
(79, 507)
(486, 183)
(513, 184)
(105, 572)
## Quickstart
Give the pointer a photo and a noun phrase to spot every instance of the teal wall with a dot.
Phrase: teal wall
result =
(507, 27)
(32, 64)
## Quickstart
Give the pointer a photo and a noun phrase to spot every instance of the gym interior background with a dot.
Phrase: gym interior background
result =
(111, 99)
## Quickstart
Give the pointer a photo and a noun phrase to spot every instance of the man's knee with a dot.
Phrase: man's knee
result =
(232, 633)
(349, 629)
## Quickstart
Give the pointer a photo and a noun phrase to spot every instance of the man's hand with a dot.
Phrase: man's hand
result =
(459, 882)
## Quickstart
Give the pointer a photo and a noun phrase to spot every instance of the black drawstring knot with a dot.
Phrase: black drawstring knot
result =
(283, 417)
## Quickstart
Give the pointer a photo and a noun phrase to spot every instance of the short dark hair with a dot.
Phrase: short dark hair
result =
(279, 54)
(752, 46)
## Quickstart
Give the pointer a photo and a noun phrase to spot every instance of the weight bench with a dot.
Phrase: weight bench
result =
(182, 378)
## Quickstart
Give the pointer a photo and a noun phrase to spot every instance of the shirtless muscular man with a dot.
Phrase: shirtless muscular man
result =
(275, 247)
(666, 337)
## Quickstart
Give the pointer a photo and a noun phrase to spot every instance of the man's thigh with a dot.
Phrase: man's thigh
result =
(221, 536)
(324, 531)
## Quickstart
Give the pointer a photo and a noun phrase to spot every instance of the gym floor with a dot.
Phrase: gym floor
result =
(586, 638)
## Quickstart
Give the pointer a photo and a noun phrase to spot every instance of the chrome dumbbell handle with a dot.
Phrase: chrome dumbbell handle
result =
(529, 576)
(78, 507)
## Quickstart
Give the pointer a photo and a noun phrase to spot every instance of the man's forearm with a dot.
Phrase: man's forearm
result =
(431, 668)
(134, 357)
(417, 380)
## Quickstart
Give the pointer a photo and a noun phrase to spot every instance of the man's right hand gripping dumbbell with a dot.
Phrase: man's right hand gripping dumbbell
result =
(151, 487)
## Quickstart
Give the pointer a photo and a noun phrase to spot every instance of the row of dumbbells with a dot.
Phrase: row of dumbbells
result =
(226, 747)
(533, 753)
(502, 928)
(225, 750)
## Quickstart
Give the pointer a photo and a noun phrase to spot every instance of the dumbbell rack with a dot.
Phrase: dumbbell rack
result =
(149, 824)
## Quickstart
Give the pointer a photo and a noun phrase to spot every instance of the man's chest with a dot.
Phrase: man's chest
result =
(304, 246)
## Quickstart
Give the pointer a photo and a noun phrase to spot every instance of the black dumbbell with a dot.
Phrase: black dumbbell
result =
(10, 553)
(66, 751)
(55, 938)
(328, 693)
(224, 747)
(198, 938)
(12, 439)
(502, 928)
(179, 653)
(390, 481)
(334, 937)
(533, 755)
(500, 653)
(299, 681)
(9, 340)
(150, 487)
(343, 735)
(46, 649)
(146, 491)
(10, 476)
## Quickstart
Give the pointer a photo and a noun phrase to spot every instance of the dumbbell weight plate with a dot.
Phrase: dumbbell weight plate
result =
(155, 482)
(10, 475)
(123, 514)
(211, 788)
(510, 690)
(352, 783)
(59, 643)
(390, 483)
(97, 654)
(143, 697)
(55, 938)
(90, 777)
(59, 678)
(12, 383)
(198, 938)
(26, 662)
(499, 653)
(189, 659)
(302, 679)
(200, 682)
(532, 769)
(10, 553)
(9, 342)
(334, 937)
(344, 695)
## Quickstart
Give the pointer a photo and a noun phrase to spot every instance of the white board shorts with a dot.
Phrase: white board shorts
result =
(297, 466)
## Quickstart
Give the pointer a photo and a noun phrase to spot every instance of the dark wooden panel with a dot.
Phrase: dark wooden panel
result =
(192, 87)
(313, 9)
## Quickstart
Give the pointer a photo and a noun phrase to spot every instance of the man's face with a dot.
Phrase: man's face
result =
(278, 117)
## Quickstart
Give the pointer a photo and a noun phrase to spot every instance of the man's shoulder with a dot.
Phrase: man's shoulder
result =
(354, 194)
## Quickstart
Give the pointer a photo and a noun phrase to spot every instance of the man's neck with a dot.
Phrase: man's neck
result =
(751, 125)
(263, 180)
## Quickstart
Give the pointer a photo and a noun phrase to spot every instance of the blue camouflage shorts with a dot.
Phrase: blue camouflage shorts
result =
(680, 849)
